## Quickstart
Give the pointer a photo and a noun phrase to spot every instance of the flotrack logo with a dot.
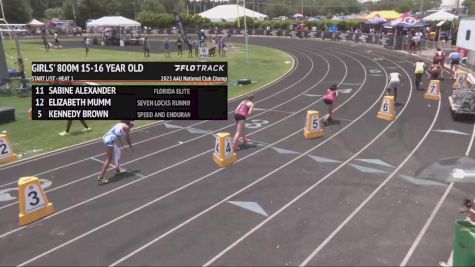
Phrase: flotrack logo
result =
(200, 67)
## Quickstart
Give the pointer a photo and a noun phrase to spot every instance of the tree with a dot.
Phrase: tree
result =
(154, 19)
(56, 12)
(427, 4)
(153, 5)
(398, 5)
(17, 11)
(278, 10)
(470, 5)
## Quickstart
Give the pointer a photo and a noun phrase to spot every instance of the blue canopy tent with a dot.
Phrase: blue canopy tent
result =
(332, 28)
(405, 21)
(376, 20)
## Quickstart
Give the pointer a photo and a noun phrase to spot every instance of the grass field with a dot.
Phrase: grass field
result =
(30, 138)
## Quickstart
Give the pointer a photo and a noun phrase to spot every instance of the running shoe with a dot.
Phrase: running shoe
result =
(86, 130)
(102, 180)
(120, 171)
(64, 133)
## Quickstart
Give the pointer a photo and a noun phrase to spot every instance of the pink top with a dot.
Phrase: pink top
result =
(330, 95)
(243, 109)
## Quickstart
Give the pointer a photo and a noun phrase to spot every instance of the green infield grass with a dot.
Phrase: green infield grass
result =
(30, 138)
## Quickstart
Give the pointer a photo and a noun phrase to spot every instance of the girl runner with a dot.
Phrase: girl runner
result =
(330, 98)
(112, 149)
(244, 108)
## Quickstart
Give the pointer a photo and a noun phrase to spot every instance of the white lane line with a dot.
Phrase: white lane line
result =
(469, 148)
(159, 171)
(311, 188)
(198, 137)
(295, 63)
(138, 208)
(185, 186)
(51, 170)
(62, 150)
(174, 131)
(434, 211)
(348, 219)
(138, 174)
(253, 183)
(263, 109)
(426, 226)
(100, 161)
(184, 128)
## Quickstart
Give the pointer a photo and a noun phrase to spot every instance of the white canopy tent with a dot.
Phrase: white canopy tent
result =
(440, 15)
(35, 23)
(230, 13)
(113, 21)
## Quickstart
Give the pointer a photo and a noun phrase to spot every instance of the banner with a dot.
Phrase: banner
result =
(181, 29)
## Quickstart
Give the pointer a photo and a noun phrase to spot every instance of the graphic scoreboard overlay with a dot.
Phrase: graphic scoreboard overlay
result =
(109, 90)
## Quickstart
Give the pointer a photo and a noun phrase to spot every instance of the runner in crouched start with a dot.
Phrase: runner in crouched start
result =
(110, 140)
(244, 108)
(330, 98)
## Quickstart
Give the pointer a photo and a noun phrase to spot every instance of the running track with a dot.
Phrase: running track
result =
(172, 208)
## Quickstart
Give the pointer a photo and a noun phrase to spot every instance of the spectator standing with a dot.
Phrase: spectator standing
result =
(166, 46)
(146, 47)
(56, 40)
(196, 46)
(45, 41)
(86, 45)
(68, 127)
(454, 61)
(179, 46)
(190, 47)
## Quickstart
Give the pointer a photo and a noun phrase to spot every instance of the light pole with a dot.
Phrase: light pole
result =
(245, 31)
(245, 80)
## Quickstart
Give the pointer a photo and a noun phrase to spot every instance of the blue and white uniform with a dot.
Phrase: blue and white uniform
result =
(110, 139)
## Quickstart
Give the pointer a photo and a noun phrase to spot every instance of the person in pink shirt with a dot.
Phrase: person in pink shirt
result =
(330, 98)
(240, 113)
